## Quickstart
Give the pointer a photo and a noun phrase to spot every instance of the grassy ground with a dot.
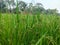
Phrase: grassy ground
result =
(29, 29)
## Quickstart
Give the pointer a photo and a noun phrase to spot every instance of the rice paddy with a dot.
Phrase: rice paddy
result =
(29, 29)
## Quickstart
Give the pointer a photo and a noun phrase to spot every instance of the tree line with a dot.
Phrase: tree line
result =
(10, 6)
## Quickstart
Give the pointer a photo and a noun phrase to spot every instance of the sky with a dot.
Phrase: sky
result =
(48, 4)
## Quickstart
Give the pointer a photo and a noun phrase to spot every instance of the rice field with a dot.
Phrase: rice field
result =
(29, 29)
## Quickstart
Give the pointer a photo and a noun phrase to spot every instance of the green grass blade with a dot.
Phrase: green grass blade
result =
(41, 38)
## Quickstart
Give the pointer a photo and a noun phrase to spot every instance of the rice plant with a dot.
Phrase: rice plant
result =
(18, 29)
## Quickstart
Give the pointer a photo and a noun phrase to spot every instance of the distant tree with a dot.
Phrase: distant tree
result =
(39, 5)
(22, 5)
(37, 9)
(2, 6)
(51, 11)
(29, 8)
(9, 4)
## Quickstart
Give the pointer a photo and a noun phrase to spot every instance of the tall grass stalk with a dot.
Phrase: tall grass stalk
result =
(17, 24)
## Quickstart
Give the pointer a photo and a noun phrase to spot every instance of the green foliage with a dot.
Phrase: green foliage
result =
(29, 29)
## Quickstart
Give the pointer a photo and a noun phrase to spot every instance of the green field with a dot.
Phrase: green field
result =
(29, 29)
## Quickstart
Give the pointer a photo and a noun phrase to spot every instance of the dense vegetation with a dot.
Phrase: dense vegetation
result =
(9, 6)
(29, 29)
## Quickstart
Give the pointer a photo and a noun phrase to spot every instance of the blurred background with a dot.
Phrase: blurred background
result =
(30, 6)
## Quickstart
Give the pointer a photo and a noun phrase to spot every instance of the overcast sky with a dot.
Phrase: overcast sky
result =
(52, 4)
